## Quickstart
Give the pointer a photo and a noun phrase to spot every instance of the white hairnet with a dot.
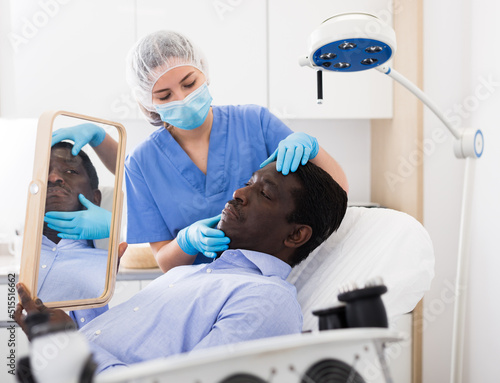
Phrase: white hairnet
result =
(154, 55)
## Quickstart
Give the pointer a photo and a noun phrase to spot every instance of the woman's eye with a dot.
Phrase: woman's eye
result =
(265, 195)
(71, 171)
(165, 98)
(190, 85)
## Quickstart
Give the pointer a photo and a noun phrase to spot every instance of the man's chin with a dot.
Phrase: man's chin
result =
(224, 226)
(59, 203)
(227, 232)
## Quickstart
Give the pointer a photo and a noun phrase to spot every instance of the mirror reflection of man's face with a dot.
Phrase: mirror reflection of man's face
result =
(67, 179)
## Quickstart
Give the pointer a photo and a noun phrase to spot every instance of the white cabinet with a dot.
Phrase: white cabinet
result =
(70, 55)
(231, 34)
(66, 55)
(292, 89)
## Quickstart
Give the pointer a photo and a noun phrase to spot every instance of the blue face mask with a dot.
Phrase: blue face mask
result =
(189, 113)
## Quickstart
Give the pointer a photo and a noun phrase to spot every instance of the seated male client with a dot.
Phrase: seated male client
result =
(274, 222)
(70, 269)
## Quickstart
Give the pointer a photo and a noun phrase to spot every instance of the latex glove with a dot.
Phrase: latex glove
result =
(93, 223)
(81, 135)
(296, 149)
(202, 237)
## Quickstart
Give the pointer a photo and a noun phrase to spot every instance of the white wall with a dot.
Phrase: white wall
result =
(483, 332)
(17, 147)
(462, 75)
(348, 141)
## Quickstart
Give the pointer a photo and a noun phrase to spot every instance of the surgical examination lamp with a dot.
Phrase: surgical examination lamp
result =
(352, 42)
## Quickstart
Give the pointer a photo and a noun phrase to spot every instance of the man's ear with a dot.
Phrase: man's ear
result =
(300, 235)
(97, 197)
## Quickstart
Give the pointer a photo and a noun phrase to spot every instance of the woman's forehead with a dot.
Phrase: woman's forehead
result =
(178, 70)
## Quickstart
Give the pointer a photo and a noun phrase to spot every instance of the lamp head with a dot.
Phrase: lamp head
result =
(350, 42)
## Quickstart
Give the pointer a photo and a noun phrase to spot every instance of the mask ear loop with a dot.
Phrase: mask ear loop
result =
(168, 126)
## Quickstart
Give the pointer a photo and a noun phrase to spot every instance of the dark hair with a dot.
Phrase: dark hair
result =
(87, 164)
(321, 203)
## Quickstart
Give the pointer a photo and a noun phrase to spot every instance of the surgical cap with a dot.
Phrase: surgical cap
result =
(154, 55)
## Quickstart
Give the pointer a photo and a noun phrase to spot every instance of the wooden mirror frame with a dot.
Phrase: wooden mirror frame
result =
(35, 210)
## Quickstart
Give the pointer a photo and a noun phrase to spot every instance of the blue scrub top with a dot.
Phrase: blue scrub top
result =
(167, 192)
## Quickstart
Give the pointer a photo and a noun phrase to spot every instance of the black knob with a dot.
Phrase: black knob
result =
(364, 307)
(332, 318)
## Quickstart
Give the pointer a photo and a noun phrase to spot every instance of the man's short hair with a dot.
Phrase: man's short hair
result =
(86, 162)
(321, 203)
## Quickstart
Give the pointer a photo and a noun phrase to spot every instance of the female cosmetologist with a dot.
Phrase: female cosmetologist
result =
(186, 171)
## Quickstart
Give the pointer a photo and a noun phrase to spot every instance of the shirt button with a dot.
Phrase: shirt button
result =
(136, 308)
(171, 285)
(209, 271)
(98, 332)
(44, 266)
(54, 248)
(82, 320)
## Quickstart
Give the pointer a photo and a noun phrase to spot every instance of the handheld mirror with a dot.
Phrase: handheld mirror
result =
(73, 215)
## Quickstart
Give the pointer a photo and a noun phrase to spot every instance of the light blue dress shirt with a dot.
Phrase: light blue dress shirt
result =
(72, 270)
(242, 295)
(167, 192)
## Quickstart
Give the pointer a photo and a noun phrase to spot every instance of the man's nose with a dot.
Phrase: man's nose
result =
(55, 176)
(241, 195)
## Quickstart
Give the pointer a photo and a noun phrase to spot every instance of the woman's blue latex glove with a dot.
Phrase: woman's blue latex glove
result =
(93, 223)
(296, 149)
(81, 135)
(202, 237)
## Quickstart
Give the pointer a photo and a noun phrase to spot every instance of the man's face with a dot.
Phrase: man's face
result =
(67, 179)
(255, 219)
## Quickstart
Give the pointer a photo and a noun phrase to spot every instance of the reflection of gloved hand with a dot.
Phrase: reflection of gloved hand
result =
(201, 237)
(93, 223)
(296, 149)
(81, 135)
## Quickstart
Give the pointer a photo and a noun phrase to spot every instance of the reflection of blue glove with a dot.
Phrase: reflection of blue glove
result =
(201, 237)
(93, 223)
(81, 135)
(296, 149)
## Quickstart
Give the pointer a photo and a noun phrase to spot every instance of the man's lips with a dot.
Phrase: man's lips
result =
(55, 191)
(230, 211)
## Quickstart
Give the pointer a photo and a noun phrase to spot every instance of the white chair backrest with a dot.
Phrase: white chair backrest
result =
(371, 242)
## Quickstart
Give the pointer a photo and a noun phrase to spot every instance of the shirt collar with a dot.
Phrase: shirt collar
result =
(267, 264)
(68, 243)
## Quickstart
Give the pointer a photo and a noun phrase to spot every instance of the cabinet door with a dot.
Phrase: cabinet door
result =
(292, 89)
(66, 55)
(231, 34)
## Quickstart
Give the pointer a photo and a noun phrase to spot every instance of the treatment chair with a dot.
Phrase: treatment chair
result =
(371, 243)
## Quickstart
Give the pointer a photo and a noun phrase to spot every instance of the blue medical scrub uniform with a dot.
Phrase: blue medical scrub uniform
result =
(167, 192)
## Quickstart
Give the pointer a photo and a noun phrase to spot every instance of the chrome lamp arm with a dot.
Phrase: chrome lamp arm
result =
(469, 142)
